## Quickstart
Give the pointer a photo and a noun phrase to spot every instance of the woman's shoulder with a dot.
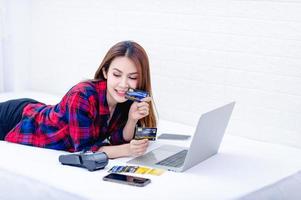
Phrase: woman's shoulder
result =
(88, 87)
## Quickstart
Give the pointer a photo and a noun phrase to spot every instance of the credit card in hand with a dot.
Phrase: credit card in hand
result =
(145, 133)
(135, 95)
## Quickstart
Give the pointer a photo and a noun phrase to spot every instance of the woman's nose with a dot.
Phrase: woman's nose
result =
(123, 83)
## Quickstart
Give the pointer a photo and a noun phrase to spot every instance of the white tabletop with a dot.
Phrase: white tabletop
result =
(241, 166)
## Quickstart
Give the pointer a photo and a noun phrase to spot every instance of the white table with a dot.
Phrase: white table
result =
(241, 167)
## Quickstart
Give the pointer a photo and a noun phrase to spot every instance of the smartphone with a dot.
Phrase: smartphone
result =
(126, 179)
(169, 136)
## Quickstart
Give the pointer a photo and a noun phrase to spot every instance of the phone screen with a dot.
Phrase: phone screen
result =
(126, 179)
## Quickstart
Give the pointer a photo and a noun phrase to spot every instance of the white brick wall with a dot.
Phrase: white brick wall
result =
(203, 53)
(16, 44)
(1, 45)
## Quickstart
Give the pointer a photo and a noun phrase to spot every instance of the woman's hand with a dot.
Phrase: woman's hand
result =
(138, 147)
(134, 148)
(139, 110)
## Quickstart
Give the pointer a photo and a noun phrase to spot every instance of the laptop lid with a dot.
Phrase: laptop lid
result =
(208, 135)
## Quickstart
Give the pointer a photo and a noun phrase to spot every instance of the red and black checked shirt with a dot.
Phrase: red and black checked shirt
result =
(78, 122)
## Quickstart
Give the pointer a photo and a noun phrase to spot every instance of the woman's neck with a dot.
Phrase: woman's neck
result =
(111, 103)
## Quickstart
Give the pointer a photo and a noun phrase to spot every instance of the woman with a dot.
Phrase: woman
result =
(93, 115)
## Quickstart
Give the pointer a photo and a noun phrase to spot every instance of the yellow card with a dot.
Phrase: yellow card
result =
(142, 170)
(156, 172)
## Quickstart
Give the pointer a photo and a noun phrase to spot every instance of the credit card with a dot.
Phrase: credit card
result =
(113, 169)
(119, 169)
(142, 170)
(156, 172)
(136, 170)
(131, 169)
(135, 95)
(145, 133)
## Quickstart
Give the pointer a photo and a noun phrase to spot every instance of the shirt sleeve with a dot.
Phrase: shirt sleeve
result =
(81, 115)
(117, 137)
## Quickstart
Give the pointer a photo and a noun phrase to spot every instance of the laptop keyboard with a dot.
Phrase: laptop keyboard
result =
(175, 160)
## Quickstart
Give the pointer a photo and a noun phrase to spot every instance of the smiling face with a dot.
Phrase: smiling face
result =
(121, 75)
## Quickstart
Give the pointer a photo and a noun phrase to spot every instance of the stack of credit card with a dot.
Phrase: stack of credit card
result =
(135, 95)
(136, 170)
(145, 133)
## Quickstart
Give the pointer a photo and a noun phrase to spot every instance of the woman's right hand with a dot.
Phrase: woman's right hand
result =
(138, 147)
(139, 110)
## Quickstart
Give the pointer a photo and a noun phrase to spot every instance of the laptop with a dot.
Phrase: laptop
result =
(205, 143)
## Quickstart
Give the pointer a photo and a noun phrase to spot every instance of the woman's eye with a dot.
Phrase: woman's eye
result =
(116, 75)
(133, 78)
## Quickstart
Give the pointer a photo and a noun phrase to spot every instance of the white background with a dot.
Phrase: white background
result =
(1, 45)
(203, 53)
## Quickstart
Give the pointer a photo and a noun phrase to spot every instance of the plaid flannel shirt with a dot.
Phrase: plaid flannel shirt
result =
(78, 122)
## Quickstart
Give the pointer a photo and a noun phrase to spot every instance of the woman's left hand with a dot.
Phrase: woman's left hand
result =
(139, 110)
(138, 147)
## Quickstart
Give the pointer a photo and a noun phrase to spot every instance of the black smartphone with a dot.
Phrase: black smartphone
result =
(169, 136)
(126, 179)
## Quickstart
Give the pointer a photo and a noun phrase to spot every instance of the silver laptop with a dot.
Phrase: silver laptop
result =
(205, 143)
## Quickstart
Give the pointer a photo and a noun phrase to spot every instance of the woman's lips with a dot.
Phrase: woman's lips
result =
(120, 93)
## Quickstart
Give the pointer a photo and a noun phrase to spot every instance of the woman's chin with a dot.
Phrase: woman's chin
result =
(120, 99)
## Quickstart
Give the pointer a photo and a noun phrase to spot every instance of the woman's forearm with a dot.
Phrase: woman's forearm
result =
(116, 151)
(134, 148)
(129, 130)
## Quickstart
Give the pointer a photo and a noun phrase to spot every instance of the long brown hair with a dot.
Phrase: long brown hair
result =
(137, 54)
